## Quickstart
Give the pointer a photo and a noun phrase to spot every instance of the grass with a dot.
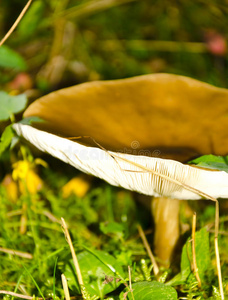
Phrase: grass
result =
(105, 220)
(105, 42)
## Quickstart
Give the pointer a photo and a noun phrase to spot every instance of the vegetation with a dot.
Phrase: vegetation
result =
(62, 43)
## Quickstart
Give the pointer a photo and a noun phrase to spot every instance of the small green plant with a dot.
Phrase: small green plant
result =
(62, 43)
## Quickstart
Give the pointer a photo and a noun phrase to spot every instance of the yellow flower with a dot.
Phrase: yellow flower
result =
(23, 172)
(20, 169)
(33, 183)
(11, 187)
(77, 185)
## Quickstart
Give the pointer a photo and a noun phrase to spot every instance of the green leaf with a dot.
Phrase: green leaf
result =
(11, 59)
(11, 105)
(30, 120)
(154, 290)
(6, 138)
(112, 228)
(212, 162)
(32, 19)
(203, 260)
(101, 273)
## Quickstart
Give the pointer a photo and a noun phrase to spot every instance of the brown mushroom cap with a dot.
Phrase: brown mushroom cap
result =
(174, 114)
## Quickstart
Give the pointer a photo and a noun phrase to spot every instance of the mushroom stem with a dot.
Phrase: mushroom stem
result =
(167, 232)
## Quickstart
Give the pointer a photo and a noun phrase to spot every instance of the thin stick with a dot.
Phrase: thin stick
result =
(148, 249)
(216, 218)
(15, 23)
(17, 253)
(195, 269)
(218, 265)
(75, 260)
(18, 295)
(130, 285)
(129, 275)
(65, 287)
(219, 268)
(50, 216)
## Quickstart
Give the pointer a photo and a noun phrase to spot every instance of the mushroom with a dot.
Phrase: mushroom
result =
(130, 121)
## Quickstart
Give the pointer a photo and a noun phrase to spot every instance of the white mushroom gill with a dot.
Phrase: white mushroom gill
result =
(130, 171)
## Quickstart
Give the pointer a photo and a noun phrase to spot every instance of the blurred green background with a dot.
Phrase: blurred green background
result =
(67, 42)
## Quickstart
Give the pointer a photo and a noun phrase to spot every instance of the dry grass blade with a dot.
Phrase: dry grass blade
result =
(219, 268)
(17, 253)
(75, 260)
(195, 269)
(148, 249)
(51, 217)
(129, 274)
(218, 265)
(18, 295)
(15, 23)
(130, 283)
(65, 287)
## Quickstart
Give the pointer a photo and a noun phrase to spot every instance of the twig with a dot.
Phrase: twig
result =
(217, 250)
(75, 260)
(15, 23)
(65, 287)
(18, 295)
(150, 254)
(129, 275)
(219, 268)
(216, 218)
(17, 253)
(50, 216)
(195, 269)
(130, 284)
(218, 264)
